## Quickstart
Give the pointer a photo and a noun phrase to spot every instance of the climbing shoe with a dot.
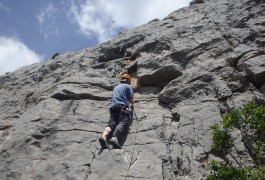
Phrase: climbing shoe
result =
(103, 143)
(115, 144)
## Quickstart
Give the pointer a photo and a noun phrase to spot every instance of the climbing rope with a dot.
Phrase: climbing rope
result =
(132, 150)
(136, 126)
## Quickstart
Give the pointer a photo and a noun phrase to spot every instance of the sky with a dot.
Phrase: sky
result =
(34, 30)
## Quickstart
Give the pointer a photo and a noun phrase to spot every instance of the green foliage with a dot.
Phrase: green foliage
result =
(231, 119)
(256, 173)
(221, 172)
(222, 141)
(254, 120)
(251, 121)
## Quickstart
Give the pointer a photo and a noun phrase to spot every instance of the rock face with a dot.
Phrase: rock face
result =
(189, 69)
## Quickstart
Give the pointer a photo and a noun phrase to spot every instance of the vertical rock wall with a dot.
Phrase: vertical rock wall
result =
(188, 69)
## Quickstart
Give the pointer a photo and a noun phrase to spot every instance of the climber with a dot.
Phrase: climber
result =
(120, 114)
(122, 48)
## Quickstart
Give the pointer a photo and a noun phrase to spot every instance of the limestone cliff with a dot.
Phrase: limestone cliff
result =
(189, 69)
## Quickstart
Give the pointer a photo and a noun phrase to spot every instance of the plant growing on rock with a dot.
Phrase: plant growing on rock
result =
(250, 120)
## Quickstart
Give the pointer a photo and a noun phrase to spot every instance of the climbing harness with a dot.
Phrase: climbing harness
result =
(132, 150)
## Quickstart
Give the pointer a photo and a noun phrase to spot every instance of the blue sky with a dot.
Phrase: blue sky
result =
(33, 30)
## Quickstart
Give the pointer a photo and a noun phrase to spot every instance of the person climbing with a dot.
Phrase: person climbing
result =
(122, 48)
(120, 113)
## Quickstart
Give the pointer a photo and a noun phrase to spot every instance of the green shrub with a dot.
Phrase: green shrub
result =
(251, 121)
(223, 172)
(256, 173)
(222, 141)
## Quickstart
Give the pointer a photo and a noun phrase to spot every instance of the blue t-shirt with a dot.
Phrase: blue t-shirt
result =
(121, 94)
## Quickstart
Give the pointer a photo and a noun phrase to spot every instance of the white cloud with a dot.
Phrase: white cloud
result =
(2, 7)
(92, 19)
(103, 17)
(46, 13)
(137, 12)
(47, 21)
(14, 54)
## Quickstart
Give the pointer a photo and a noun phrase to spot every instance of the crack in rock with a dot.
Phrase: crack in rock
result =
(68, 95)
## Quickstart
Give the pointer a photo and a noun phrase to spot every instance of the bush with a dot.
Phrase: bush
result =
(222, 172)
(250, 120)
(222, 141)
